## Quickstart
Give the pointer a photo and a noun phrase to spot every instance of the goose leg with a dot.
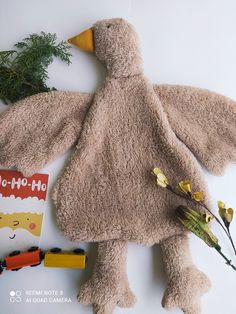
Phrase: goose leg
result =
(185, 282)
(108, 285)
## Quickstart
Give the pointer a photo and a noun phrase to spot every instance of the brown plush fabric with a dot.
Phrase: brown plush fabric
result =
(109, 286)
(204, 122)
(186, 283)
(39, 128)
(107, 193)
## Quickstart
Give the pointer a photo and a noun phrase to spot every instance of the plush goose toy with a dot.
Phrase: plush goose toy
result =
(107, 193)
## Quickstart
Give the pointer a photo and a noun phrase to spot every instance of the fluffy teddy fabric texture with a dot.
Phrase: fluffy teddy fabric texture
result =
(107, 193)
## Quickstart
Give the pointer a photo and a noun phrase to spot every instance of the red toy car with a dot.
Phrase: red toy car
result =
(16, 260)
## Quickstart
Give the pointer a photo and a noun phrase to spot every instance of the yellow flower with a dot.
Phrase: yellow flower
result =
(198, 196)
(185, 186)
(221, 205)
(161, 178)
(226, 214)
(207, 217)
(229, 213)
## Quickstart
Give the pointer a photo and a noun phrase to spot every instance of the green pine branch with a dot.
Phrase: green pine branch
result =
(23, 71)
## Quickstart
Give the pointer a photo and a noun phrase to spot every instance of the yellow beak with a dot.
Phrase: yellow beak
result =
(84, 40)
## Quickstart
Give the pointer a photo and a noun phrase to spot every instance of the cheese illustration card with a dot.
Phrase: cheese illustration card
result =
(22, 205)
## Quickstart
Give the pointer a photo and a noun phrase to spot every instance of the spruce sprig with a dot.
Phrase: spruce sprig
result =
(23, 71)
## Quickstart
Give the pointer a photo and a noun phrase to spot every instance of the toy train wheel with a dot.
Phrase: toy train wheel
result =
(33, 248)
(14, 253)
(55, 250)
(79, 251)
(35, 265)
(41, 255)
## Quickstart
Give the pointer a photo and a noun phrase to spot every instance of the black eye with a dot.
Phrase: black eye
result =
(109, 25)
(27, 218)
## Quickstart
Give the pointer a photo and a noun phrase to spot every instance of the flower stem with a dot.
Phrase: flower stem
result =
(231, 240)
(228, 262)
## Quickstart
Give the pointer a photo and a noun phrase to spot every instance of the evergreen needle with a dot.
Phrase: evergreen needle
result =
(23, 71)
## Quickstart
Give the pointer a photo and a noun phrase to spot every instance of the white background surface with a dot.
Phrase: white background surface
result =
(183, 42)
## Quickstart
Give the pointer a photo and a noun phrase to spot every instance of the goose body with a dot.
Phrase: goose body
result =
(107, 193)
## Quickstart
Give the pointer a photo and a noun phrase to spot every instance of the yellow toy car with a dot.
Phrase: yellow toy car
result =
(67, 259)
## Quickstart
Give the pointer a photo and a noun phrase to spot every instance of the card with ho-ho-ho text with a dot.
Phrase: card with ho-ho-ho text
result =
(22, 206)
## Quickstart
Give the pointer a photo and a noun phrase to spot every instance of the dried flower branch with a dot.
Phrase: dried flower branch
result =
(198, 222)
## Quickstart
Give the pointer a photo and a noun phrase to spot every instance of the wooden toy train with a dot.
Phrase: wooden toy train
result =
(52, 258)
